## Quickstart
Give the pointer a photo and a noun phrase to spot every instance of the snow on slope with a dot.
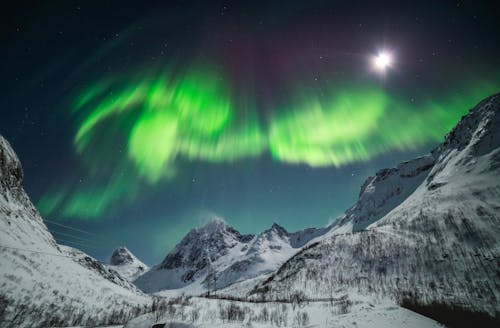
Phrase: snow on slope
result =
(206, 313)
(102, 269)
(216, 256)
(441, 244)
(383, 192)
(126, 264)
(42, 284)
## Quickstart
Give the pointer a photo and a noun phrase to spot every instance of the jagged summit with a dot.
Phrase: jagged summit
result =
(278, 229)
(121, 255)
(126, 264)
(215, 229)
(480, 124)
(214, 224)
(218, 251)
(11, 172)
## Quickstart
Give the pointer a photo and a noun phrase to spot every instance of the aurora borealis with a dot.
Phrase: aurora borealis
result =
(153, 120)
(194, 117)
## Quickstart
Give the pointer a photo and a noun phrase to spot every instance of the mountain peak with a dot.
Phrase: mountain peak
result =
(215, 224)
(121, 255)
(278, 229)
(216, 229)
(126, 264)
(480, 122)
(193, 255)
(11, 173)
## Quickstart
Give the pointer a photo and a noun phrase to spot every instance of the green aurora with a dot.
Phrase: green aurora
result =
(162, 118)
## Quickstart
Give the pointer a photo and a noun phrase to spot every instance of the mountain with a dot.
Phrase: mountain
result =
(44, 284)
(383, 192)
(106, 271)
(425, 234)
(216, 255)
(126, 264)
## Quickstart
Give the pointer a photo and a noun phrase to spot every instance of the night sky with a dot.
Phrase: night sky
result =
(136, 122)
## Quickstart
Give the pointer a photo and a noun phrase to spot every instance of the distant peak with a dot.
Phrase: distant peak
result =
(216, 221)
(214, 224)
(279, 229)
(276, 226)
(121, 255)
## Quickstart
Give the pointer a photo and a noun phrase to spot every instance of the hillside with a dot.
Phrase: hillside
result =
(428, 237)
(44, 284)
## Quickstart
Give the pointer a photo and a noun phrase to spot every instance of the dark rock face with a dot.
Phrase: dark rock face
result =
(120, 256)
(126, 264)
(11, 172)
(11, 181)
(279, 230)
(203, 245)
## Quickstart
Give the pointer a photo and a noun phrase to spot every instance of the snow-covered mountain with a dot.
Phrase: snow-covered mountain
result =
(126, 264)
(103, 270)
(44, 284)
(383, 192)
(216, 255)
(426, 233)
(423, 234)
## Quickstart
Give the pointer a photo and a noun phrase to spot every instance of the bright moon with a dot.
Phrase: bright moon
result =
(382, 61)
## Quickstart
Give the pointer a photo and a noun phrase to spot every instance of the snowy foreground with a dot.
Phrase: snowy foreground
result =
(201, 312)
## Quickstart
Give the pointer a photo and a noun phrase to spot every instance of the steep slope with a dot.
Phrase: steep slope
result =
(383, 192)
(193, 257)
(103, 270)
(264, 254)
(216, 256)
(43, 284)
(126, 264)
(438, 247)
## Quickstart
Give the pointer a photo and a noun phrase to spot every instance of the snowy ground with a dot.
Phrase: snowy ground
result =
(345, 312)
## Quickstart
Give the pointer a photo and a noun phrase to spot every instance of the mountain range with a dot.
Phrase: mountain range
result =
(216, 255)
(424, 234)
